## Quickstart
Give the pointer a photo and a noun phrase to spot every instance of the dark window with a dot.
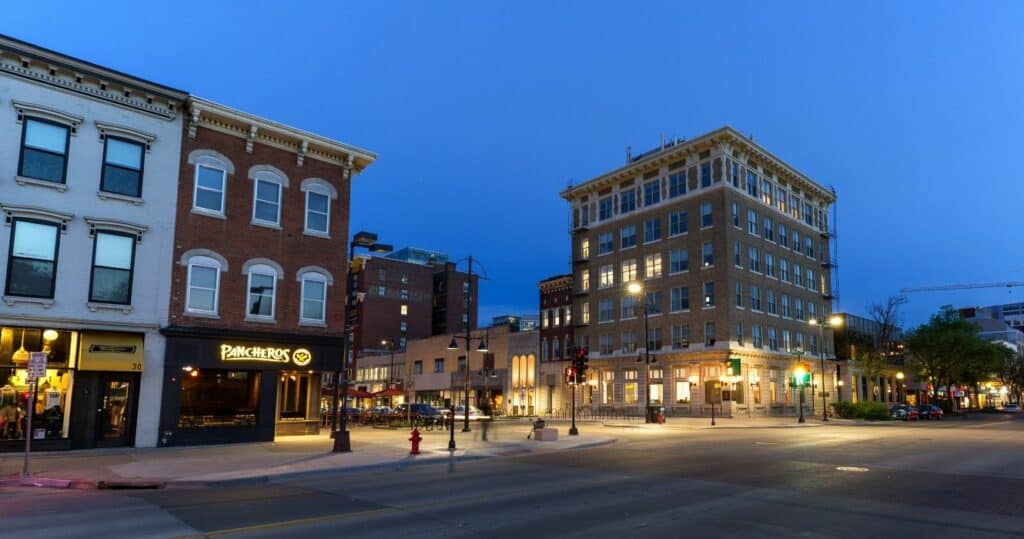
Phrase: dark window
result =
(113, 262)
(439, 365)
(705, 175)
(44, 148)
(652, 192)
(32, 264)
(218, 398)
(652, 230)
(122, 167)
(417, 367)
(677, 184)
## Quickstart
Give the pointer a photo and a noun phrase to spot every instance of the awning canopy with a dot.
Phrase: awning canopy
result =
(390, 392)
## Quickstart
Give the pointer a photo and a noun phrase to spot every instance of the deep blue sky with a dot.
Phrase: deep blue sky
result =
(481, 112)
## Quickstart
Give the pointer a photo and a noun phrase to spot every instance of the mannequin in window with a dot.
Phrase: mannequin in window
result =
(9, 412)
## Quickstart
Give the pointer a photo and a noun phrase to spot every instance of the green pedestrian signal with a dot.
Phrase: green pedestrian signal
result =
(732, 366)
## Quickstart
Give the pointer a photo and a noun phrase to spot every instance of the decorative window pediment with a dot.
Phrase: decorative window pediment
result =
(99, 223)
(29, 109)
(11, 211)
(126, 132)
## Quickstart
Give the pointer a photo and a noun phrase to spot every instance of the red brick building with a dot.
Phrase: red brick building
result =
(258, 280)
(556, 318)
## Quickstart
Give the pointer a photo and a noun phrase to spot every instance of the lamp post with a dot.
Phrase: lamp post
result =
(390, 345)
(454, 344)
(368, 241)
(637, 289)
(799, 376)
(832, 322)
(902, 387)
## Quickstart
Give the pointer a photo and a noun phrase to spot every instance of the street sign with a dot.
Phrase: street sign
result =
(36, 365)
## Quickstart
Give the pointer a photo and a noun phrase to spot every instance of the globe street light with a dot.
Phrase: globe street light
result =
(636, 289)
(799, 376)
(833, 321)
(899, 376)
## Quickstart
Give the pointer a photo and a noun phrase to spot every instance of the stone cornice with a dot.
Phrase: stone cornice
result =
(50, 68)
(253, 129)
(553, 284)
(725, 139)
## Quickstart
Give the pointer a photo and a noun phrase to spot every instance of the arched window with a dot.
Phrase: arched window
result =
(266, 204)
(262, 290)
(314, 298)
(319, 194)
(210, 181)
(203, 284)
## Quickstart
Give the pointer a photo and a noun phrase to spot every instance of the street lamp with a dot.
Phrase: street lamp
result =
(903, 387)
(368, 241)
(454, 345)
(389, 345)
(833, 321)
(799, 376)
(636, 289)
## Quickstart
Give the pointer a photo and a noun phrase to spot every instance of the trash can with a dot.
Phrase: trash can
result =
(652, 413)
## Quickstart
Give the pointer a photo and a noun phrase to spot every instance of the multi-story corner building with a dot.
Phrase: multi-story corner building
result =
(726, 248)
(407, 297)
(88, 179)
(258, 279)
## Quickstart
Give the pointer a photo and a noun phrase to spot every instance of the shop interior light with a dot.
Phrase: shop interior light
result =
(187, 368)
(50, 335)
(193, 373)
(21, 355)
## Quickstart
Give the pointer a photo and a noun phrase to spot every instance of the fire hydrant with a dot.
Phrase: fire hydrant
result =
(415, 442)
(661, 418)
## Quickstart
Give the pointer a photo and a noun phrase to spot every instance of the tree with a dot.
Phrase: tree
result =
(947, 350)
(871, 353)
(1012, 374)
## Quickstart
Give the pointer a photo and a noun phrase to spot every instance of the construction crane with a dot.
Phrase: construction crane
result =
(1007, 285)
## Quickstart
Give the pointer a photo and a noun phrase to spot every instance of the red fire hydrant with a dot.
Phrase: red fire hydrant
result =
(415, 442)
(661, 418)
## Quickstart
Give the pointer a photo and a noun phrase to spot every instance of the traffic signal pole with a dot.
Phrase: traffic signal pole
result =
(573, 431)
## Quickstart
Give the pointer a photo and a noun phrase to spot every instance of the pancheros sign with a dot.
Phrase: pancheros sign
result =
(299, 356)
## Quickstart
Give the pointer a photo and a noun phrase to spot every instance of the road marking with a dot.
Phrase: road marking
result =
(851, 469)
(765, 443)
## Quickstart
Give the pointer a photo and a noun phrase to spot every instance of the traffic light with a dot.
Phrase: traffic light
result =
(580, 361)
(570, 375)
(801, 377)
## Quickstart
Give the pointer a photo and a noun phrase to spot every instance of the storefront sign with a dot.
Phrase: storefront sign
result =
(299, 356)
(111, 352)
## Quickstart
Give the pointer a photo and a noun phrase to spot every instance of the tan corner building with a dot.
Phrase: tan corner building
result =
(727, 250)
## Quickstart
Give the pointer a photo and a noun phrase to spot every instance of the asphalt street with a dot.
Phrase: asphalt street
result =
(935, 479)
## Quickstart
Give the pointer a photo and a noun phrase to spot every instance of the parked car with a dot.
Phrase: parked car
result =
(474, 413)
(904, 412)
(929, 411)
(418, 409)
(1011, 408)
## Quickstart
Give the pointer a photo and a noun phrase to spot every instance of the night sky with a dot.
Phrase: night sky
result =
(482, 112)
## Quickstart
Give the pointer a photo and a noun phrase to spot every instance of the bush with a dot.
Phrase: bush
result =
(872, 411)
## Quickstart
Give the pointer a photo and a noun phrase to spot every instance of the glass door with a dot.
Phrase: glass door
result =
(115, 410)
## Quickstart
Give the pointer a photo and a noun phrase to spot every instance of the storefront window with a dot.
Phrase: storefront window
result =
(657, 392)
(50, 417)
(630, 391)
(293, 395)
(683, 392)
(218, 398)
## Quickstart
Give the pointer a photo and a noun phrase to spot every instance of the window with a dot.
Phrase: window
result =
(654, 343)
(734, 174)
(438, 365)
(783, 240)
(630, 392)
(608, 387)
(813, 343)
(769, 265)
(705, 175)
(585, 214)
(808, 246)
(585, 249)
(585, 312)
(417, 366)
(627, 237)
(785, 306)
(755, 334)
(798, 341)
(629, 270)
(585, 280)
(267, 199)
(751, 184)
(607, 276)
(794, 207)
(382, 290)
(739, 333)
(798, 308)
(735, 215)
(769, 229)
(44, 150)
(314, 298)
(604, 208)
(32, 266)
(405, 278)
(677, 223)
(798, 277)
(769, 193)
(709, 294)
(680, 298)
(678, 261)
(783, 270)
(629, 304)
(705, 215)
(786, 342)
(210, 181)
(262, 285)
(652, 230)
(680, 336)
(796, 241)
(318, 212)
(739, 294)
(404, 310)
(652, 192)
(604, 343)
(755, 298)
(772, 305)
(652, 266)
(403, 326)
(628, 342)
(752, 222)
(707, 254)
(709, 333)
(113, 262)
(203, 284)
(780, 200)
(808, 214)
(737, 256)
(605, 310)
(236, 403)
(627, 201)
(462, 364)
(773, 339)
(677, 184)
(122, 167)
(754, 259)
(682, 391)
(404, 294)
(605, 243)
(812, 311)
(653, 302)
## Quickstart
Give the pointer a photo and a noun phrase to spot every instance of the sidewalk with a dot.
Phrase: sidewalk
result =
(693, 423)
(287, 457)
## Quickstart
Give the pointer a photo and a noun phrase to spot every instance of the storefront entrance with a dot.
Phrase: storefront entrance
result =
(104, 411)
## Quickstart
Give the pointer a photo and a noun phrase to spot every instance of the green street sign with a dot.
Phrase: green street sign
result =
(732, 366)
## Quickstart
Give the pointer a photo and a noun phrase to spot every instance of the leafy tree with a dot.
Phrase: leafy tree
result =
(871, 353)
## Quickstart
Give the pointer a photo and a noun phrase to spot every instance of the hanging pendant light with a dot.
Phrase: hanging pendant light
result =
(20, 355)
